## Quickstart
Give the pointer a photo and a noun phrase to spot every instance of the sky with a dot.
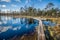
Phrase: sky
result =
(17, 4)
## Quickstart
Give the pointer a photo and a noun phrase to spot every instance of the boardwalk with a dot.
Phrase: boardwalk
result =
(41, 35)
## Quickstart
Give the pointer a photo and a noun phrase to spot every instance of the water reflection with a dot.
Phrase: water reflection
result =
(10, 27)
(48, 23)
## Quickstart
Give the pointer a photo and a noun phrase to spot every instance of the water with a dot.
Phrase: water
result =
(10, 27)
(49, 23)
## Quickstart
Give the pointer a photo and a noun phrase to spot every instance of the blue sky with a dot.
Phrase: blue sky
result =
(16, 4)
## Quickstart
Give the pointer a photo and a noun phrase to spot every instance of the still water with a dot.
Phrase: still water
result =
(10, 26)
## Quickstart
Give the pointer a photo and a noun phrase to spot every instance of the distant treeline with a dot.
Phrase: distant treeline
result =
(49, 11)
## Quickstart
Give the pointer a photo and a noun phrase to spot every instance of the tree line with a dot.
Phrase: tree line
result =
(49, 11)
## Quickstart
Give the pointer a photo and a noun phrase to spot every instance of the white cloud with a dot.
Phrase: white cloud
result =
(4, 29)
(6, 0)
(3, 6)
(13, 5)
(15, 28)
(5, 22)
(18, 0)
(0, 23)
(27, 1)
(19, 27)
(27, 26)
